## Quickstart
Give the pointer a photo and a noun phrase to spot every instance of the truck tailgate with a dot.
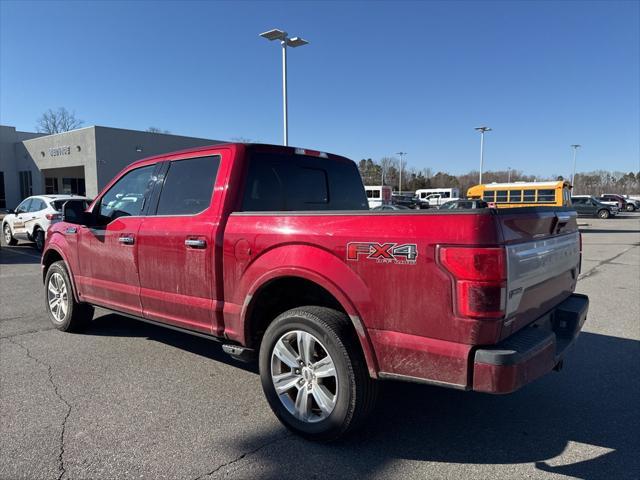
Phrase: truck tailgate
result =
(543, 262)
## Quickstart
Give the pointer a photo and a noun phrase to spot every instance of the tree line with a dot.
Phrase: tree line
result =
(387, 171)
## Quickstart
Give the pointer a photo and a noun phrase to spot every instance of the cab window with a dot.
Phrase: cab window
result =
(546, 195)
(529, 196)
(24, 206)
(37, 205)
(127, 196)
(188, 186)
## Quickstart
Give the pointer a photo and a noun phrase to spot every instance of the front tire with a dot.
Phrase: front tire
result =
(631, 207)
(8, 237)
(314, 375)
(64, 312)
(604, 213)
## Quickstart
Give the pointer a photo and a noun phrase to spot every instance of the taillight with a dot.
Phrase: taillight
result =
(53, 216)
(480, 276)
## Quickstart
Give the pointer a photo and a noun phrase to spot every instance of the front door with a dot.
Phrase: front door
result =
(107, 251)
(18, 222)
(177, 247)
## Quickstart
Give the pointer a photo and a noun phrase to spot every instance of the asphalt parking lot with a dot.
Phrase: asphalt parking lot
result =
(130, 400)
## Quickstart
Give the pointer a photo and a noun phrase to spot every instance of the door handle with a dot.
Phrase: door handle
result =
(126, 240)
(195, 243)
(70, 230)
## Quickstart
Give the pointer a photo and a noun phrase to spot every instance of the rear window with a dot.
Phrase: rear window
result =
(57, 204)
(281, 182)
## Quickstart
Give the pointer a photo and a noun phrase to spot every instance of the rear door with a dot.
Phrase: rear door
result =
(177, 246)
(107, 252)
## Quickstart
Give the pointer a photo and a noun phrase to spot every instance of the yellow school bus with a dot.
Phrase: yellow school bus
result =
(523, 194)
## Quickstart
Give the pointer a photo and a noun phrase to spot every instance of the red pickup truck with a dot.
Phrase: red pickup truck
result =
(273, 251)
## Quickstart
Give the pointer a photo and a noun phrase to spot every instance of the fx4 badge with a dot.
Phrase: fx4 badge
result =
(405, 254)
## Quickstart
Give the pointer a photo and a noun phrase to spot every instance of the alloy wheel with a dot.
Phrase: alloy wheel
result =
(304, 376)
(57, 297)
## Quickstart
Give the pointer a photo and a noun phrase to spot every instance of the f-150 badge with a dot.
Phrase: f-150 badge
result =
(405, 254)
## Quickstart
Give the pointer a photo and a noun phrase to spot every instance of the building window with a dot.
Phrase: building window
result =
(73, 186)
(3, 199)
(26, 187)
(50, 186)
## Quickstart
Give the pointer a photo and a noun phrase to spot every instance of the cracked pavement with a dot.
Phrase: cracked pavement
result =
(131, 400)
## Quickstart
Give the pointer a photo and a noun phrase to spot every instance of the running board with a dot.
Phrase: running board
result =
(240, 353)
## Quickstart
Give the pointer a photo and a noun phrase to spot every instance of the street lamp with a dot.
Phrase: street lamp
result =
(482, 130)
(285, 41)
(575, 150)
(402, 154)
(509, 174)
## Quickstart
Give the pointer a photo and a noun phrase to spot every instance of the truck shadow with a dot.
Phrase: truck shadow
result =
(593, 401)
(114, 325)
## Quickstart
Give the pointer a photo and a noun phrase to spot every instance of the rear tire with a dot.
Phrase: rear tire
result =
(324, 388)
(604, 213)
(8, 237)
(64, 312)
(38, 237)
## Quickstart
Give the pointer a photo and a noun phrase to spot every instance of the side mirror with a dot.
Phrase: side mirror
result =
(74, 211)
(10, 211)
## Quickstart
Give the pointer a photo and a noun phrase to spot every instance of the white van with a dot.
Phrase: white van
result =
(378, 195)
(434, 197)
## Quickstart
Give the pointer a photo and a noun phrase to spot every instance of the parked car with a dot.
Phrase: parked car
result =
(390, 207)
(635, 202)
(273, 251)
(409, 201)
(434, 197)
(590, 206)
(32, 218)
(623, 202)
(464, 204)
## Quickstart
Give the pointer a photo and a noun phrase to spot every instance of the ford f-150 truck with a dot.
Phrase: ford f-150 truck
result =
(273, 251)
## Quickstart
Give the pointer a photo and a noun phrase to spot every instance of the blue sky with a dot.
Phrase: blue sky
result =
(377, 78)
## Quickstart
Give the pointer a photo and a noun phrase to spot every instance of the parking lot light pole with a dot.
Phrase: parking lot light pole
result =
(482, 130)
(509, 175)
(285, 42)
(402, 154)
(575, 150)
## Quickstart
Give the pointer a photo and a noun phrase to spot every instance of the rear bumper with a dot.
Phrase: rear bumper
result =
(531, 352)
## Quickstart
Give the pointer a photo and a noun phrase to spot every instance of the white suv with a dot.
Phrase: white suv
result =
(33, 217)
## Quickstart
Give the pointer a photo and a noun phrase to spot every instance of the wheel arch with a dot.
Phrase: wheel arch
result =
(325, 283)
(49, 257)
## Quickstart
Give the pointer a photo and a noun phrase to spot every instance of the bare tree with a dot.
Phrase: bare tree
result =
(157, 130)
(61, 120)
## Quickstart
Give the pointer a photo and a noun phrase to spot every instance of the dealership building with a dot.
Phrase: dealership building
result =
(80, 161)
